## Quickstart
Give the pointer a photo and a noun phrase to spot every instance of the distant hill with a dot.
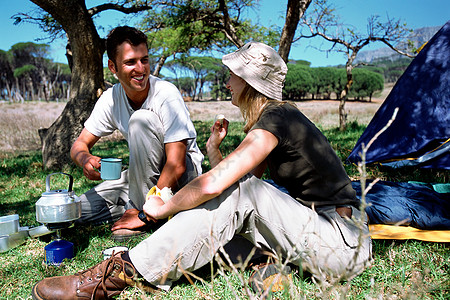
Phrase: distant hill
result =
(418, 36)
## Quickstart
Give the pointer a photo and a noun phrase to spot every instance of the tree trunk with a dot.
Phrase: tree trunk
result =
(344, 96)
(87, 79)
(30, 88)
(53, 84)
(200, 90)
(228, 28)
(159, 65)
(194, 89)
(295, 10)
(8, 90)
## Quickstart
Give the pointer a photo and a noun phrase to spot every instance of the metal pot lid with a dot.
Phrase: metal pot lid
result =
(47, 201)
(57, 193)
(57, 198)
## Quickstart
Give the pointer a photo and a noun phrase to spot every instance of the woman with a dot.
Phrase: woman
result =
(310, 226)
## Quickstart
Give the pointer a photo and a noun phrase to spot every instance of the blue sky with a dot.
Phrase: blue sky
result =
(416, 14)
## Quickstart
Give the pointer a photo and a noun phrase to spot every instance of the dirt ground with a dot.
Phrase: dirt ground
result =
(321, 112)
(324, 112)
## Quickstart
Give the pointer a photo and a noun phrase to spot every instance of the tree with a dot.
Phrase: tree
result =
(204, 22)
(201, 67)
(185, 85)
(323, 23)
(206, 71)
(6, 73)
(25, 74)
(28, 73)
(298, 82)
(218, 79)
(85, 54)
(177, 27)
(366, 83)
(294, 11)
(61, 77)
(326, 79)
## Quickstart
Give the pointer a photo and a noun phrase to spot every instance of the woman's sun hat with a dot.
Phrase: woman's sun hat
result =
(260, 66)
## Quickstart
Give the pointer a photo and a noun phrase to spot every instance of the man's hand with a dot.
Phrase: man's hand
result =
(129, 220)
(91, 165)
(82, 157)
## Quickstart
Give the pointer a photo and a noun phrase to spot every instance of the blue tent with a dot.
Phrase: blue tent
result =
(420, 133)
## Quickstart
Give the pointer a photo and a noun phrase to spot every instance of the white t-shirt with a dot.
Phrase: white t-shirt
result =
(112, 111)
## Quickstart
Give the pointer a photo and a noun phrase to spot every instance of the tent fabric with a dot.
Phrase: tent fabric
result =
(409, 204)
(442, 150)
(421, 126)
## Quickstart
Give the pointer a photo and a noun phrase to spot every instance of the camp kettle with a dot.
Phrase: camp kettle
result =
(58, 208)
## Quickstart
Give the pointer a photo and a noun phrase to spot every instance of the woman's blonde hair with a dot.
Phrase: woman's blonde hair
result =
(251, 104)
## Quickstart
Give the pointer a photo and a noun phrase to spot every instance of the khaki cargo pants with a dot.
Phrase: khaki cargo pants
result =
(323, 243)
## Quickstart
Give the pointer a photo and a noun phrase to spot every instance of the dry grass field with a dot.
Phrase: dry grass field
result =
(322, 112)
(19, 122)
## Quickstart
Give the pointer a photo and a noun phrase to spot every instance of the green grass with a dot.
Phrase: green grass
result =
(401, 269)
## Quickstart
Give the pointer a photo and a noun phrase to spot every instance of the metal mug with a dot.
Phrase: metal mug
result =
(111, 168)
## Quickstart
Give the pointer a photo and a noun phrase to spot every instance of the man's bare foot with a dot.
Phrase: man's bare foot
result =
(130, 226)
(129, 220)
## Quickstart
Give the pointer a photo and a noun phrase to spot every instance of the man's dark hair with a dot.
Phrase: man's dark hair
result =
(123, 34)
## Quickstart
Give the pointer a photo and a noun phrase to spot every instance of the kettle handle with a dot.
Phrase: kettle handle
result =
(47, 181)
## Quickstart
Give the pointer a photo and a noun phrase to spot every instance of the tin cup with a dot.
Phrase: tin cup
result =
(111, 168)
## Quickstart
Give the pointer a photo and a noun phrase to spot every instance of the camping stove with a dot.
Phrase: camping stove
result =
(58, 209)
(58, 250)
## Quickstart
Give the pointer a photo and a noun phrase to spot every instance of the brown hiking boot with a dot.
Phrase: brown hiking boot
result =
(103, 281)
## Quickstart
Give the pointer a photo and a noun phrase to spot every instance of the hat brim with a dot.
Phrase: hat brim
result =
(239, 66)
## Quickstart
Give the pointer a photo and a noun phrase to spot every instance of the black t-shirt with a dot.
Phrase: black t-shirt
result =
(304, 161)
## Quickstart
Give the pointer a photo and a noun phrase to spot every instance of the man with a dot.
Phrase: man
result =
(151, 115)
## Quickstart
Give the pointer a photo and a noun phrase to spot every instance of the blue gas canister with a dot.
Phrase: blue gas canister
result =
(57, 251)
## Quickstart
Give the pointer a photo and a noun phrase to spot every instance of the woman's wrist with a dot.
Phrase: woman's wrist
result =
(211, 147)
(213, 152)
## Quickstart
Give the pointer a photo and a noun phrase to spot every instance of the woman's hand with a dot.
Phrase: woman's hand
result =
(152, 208)
(219, 131)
